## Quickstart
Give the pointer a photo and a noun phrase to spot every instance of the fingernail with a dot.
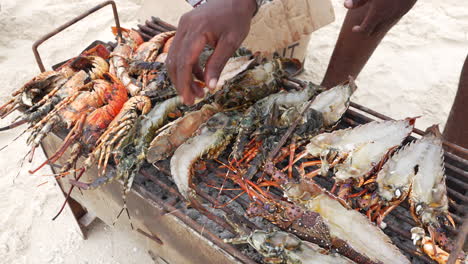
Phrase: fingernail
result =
(212, 84)
(348, 3)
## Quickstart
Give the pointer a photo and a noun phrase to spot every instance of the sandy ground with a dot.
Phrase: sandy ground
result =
(414, 72)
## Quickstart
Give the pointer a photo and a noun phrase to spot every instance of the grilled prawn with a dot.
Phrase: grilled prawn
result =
(87, 113)
(119, 58)
(354, 153)
(211, 140)
(346, 224)
(428, 196)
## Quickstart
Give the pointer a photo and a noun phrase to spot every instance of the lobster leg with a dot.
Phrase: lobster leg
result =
(292, 150)
(381, 216)
(301, 168)
(433, 236)
(128, 182)
(68, 195)
(71, 137)
(5, 109)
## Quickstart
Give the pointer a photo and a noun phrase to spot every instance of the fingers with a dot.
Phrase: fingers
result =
(225, 47)
(369, 23)
(182, 58)
(198, 72)
(350, 4)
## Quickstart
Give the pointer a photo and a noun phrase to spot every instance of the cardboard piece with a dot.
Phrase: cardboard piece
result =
(285, 26)
(282, 26)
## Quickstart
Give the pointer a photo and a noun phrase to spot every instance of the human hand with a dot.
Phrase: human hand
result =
(222, 24)
(380, 14)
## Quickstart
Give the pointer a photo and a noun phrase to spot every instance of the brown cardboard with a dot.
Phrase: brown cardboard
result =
(283, 26)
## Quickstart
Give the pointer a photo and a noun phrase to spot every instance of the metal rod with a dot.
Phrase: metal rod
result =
(71, 22)
(415, 130)
(155, 26)
(205, 196)
(457, 195)
(458, 182)
(148, 30)
(150, 236)
(458, 207)
(145, 36)
(168, 26)
(461, 238)
(161, 184)
(197, 227)
(227, 210)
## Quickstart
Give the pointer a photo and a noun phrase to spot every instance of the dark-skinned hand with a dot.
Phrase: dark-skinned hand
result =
(221, 24)
(381, 13)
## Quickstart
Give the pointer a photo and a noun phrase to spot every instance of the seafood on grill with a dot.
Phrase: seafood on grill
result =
(428, 247)
(314, 115)
(428, 196)
(42, 88)
(355, 153)
(41, 108)
(129, 141)
(252, 85)
(239, 92)
(307, 225)
(177, 132)
(118, 129)
(281, 247)
(211, 139)
(261, 111)
(149, 50)
(121, 55)
(86, 113)
(344, 223)
(394, 180)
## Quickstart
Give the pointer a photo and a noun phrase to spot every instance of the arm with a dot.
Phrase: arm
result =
(456, 129)
(222, 24)
(365, 25)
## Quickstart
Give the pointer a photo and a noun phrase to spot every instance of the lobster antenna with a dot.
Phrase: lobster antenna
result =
(15, 124)
(4, 147)
(21, 166)
(67, 197)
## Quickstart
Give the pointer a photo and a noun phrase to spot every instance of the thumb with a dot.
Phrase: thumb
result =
(351, 4)
(215, 64)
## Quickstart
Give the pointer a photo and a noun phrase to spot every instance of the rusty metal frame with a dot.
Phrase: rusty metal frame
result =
(71, 22)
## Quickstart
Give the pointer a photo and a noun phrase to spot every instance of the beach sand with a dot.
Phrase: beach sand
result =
(414, 72)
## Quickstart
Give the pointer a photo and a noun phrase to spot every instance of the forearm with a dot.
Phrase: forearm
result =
(352, 50)
(456, 129)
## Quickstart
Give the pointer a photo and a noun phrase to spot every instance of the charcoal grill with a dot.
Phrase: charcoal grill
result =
(178, 235)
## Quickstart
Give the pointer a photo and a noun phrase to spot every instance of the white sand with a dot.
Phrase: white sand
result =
(415, 71)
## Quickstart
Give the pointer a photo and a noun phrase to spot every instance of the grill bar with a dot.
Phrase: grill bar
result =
(71, 22)
(417, 131)
(195, 226)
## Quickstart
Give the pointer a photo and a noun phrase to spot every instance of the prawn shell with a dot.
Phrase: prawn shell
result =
(209, 140)
(356, 230)
(164, 144)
